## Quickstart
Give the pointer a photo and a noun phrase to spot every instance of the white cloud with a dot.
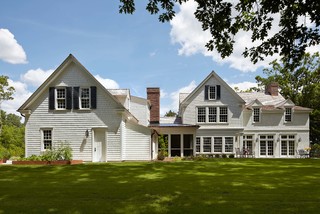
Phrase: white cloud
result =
(19, 97)
(187, 32)
(10, 50)
(173, 103)
(36, 77)
(107, 83)
(242, 86)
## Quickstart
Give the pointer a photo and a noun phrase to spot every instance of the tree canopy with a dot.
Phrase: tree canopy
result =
(301, 85)
(224, 19)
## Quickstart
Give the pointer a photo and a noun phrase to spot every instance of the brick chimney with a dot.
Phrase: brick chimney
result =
(153, 95)
(272, 89)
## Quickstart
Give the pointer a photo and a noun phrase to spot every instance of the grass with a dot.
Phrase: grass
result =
(215, 186)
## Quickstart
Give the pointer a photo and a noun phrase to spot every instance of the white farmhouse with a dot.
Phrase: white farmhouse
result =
(112, 125)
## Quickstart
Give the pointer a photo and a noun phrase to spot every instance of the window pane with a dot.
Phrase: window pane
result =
(212, 114)
(85, 97)
(212, 92)
(198, 144)
(256, 115)
(201, 114)
(288, 114)
(223, 114)
(207, 144)
(218, 144)
(61, 98)
(228, 144)
(47, 139)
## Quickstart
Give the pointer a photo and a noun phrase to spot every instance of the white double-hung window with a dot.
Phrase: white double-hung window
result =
(212, 114)
(256, 115)
(85, 98)
(61, 98)
(288, 115)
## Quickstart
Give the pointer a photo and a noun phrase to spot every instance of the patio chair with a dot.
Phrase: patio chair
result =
(302, 153)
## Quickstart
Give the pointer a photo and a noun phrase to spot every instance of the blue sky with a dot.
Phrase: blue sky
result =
(125, 51)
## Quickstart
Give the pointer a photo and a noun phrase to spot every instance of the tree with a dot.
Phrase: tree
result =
(224, 20)
(170, 114)
(301, 85)
(12, 135)
(6, 92)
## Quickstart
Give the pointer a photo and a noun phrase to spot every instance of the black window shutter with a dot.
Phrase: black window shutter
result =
(76, 97)
(51, 98)
(218, 92)
(206, 88)
(69, 98)
(93, 97)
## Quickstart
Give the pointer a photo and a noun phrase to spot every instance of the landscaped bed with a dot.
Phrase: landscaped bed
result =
(211, 186)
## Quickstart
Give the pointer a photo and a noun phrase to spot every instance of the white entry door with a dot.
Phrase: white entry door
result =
(99, 145)
(97, 151)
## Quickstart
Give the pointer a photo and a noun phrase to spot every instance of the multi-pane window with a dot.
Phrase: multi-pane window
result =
(228, 144)
(247, 143)
(212, 92)
(266, 145)
(223, 114)
(217, 146)
(198, 144)
(47, 139)
(212, 115)
(201, 114)
(207, 144)
(256, 115)
(61, 98)
(85, 97)
(288, 115)
(214, 144)
(287, 145)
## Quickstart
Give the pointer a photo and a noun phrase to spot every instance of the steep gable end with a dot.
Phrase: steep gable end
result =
(46, 87)
(212, 92)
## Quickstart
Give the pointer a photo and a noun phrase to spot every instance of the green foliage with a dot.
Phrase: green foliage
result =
(224, 156)
(224, 19)
(231, 156)
(60, 152)
(6, 91)
(315, 151)
(217, 156)
(12, 134)
(301, 84)
(4, 153)
(170, 114)
(161, 155)
(163, 145)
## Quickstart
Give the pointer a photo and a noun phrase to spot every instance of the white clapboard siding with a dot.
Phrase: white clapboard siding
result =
(137, 144)
(71, 125)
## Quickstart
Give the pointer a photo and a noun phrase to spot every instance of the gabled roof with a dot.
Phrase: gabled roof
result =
(222, 82)
(44, 86)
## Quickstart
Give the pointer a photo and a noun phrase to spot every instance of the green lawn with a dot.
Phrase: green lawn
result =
(215, 186)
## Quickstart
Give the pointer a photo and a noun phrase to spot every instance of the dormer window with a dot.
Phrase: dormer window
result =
(256, 115)
(288, 115)
(212, 92)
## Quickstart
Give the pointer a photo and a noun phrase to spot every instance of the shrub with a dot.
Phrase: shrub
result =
(161, 155)
(217, 156)
(4, 153)
(231, 156)
(315, 150)
(224, 156)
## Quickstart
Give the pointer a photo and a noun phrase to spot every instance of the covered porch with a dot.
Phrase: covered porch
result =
(177, 140)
